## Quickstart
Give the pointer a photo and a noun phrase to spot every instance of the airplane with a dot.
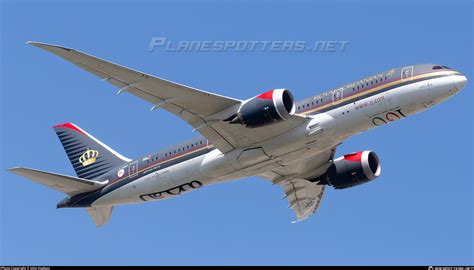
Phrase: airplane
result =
(290, 143)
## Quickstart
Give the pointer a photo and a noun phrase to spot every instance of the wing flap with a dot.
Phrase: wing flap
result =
(64, 183)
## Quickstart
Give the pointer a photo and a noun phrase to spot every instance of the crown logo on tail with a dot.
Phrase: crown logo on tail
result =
(89, 157)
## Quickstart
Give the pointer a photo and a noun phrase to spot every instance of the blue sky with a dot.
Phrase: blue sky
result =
(420, 211)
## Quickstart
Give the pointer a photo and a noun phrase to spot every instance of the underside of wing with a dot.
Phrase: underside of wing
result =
(297, 180)
(303, 196)
(238, 136)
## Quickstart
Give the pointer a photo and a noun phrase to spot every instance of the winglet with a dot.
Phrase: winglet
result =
(55, 49)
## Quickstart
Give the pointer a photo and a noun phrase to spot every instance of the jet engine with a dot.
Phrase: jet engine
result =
(265, 109)
(352, 170)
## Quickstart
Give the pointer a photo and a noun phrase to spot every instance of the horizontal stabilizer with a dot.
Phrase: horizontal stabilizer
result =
(100, 215)
(67, 184)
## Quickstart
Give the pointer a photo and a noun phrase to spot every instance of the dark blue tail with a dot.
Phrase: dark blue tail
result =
(89, 156)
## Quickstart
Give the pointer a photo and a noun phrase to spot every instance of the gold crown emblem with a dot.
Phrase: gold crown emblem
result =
(88, 157)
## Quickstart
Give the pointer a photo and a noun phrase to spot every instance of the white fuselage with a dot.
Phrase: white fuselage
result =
(320, 132)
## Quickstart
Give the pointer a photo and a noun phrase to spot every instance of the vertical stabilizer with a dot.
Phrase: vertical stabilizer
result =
(89, 156)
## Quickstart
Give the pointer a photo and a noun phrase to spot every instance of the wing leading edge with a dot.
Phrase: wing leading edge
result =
(204, 111)
(195, 106)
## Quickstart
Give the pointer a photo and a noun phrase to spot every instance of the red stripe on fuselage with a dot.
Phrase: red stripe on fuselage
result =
(362, 90)
(147, 166)
(357, 91)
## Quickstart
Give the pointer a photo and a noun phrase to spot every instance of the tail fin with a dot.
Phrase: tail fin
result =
(89, 156)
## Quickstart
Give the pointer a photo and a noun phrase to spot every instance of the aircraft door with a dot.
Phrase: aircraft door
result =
(337, 95)
(133, 169)
(407, 72)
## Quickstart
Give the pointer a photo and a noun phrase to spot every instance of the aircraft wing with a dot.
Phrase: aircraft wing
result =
(303, 195)
(202, 110)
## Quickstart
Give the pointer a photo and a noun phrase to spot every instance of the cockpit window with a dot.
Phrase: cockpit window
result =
(437, 67)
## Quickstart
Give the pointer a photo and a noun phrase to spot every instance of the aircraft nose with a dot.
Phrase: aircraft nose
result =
(459, 81)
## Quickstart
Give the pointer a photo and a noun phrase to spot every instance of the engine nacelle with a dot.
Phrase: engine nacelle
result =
(265, 109)
(353, 169)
